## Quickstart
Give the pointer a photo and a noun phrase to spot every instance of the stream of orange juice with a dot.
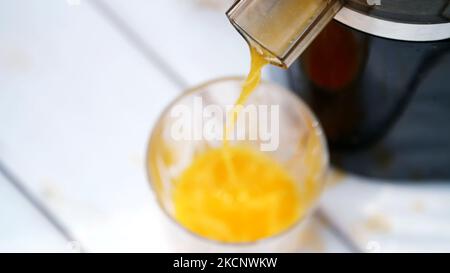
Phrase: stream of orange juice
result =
(236, 193)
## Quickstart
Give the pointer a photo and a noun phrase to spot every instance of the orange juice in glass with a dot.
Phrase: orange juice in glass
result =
(247, 186)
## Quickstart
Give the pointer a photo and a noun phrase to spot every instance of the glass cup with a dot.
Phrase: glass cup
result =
(292, 137)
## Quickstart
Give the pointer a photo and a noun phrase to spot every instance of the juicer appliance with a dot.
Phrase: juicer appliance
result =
(375, 72)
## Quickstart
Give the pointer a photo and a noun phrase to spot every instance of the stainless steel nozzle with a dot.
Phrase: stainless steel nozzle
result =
(282, 29)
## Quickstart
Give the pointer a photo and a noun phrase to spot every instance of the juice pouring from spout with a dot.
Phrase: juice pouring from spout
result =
(235, 193)
(238, 194)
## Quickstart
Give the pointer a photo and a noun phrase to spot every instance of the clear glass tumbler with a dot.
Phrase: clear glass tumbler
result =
(292, 137)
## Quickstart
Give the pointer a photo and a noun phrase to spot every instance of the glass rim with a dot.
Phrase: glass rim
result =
(197, 88)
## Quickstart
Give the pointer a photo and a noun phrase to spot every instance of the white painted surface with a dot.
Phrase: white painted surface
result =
(194, 36)
(387, 217)
(77, 104)
(22, 227)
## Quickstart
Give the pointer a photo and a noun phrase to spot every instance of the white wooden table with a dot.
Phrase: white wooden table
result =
(81, 84)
